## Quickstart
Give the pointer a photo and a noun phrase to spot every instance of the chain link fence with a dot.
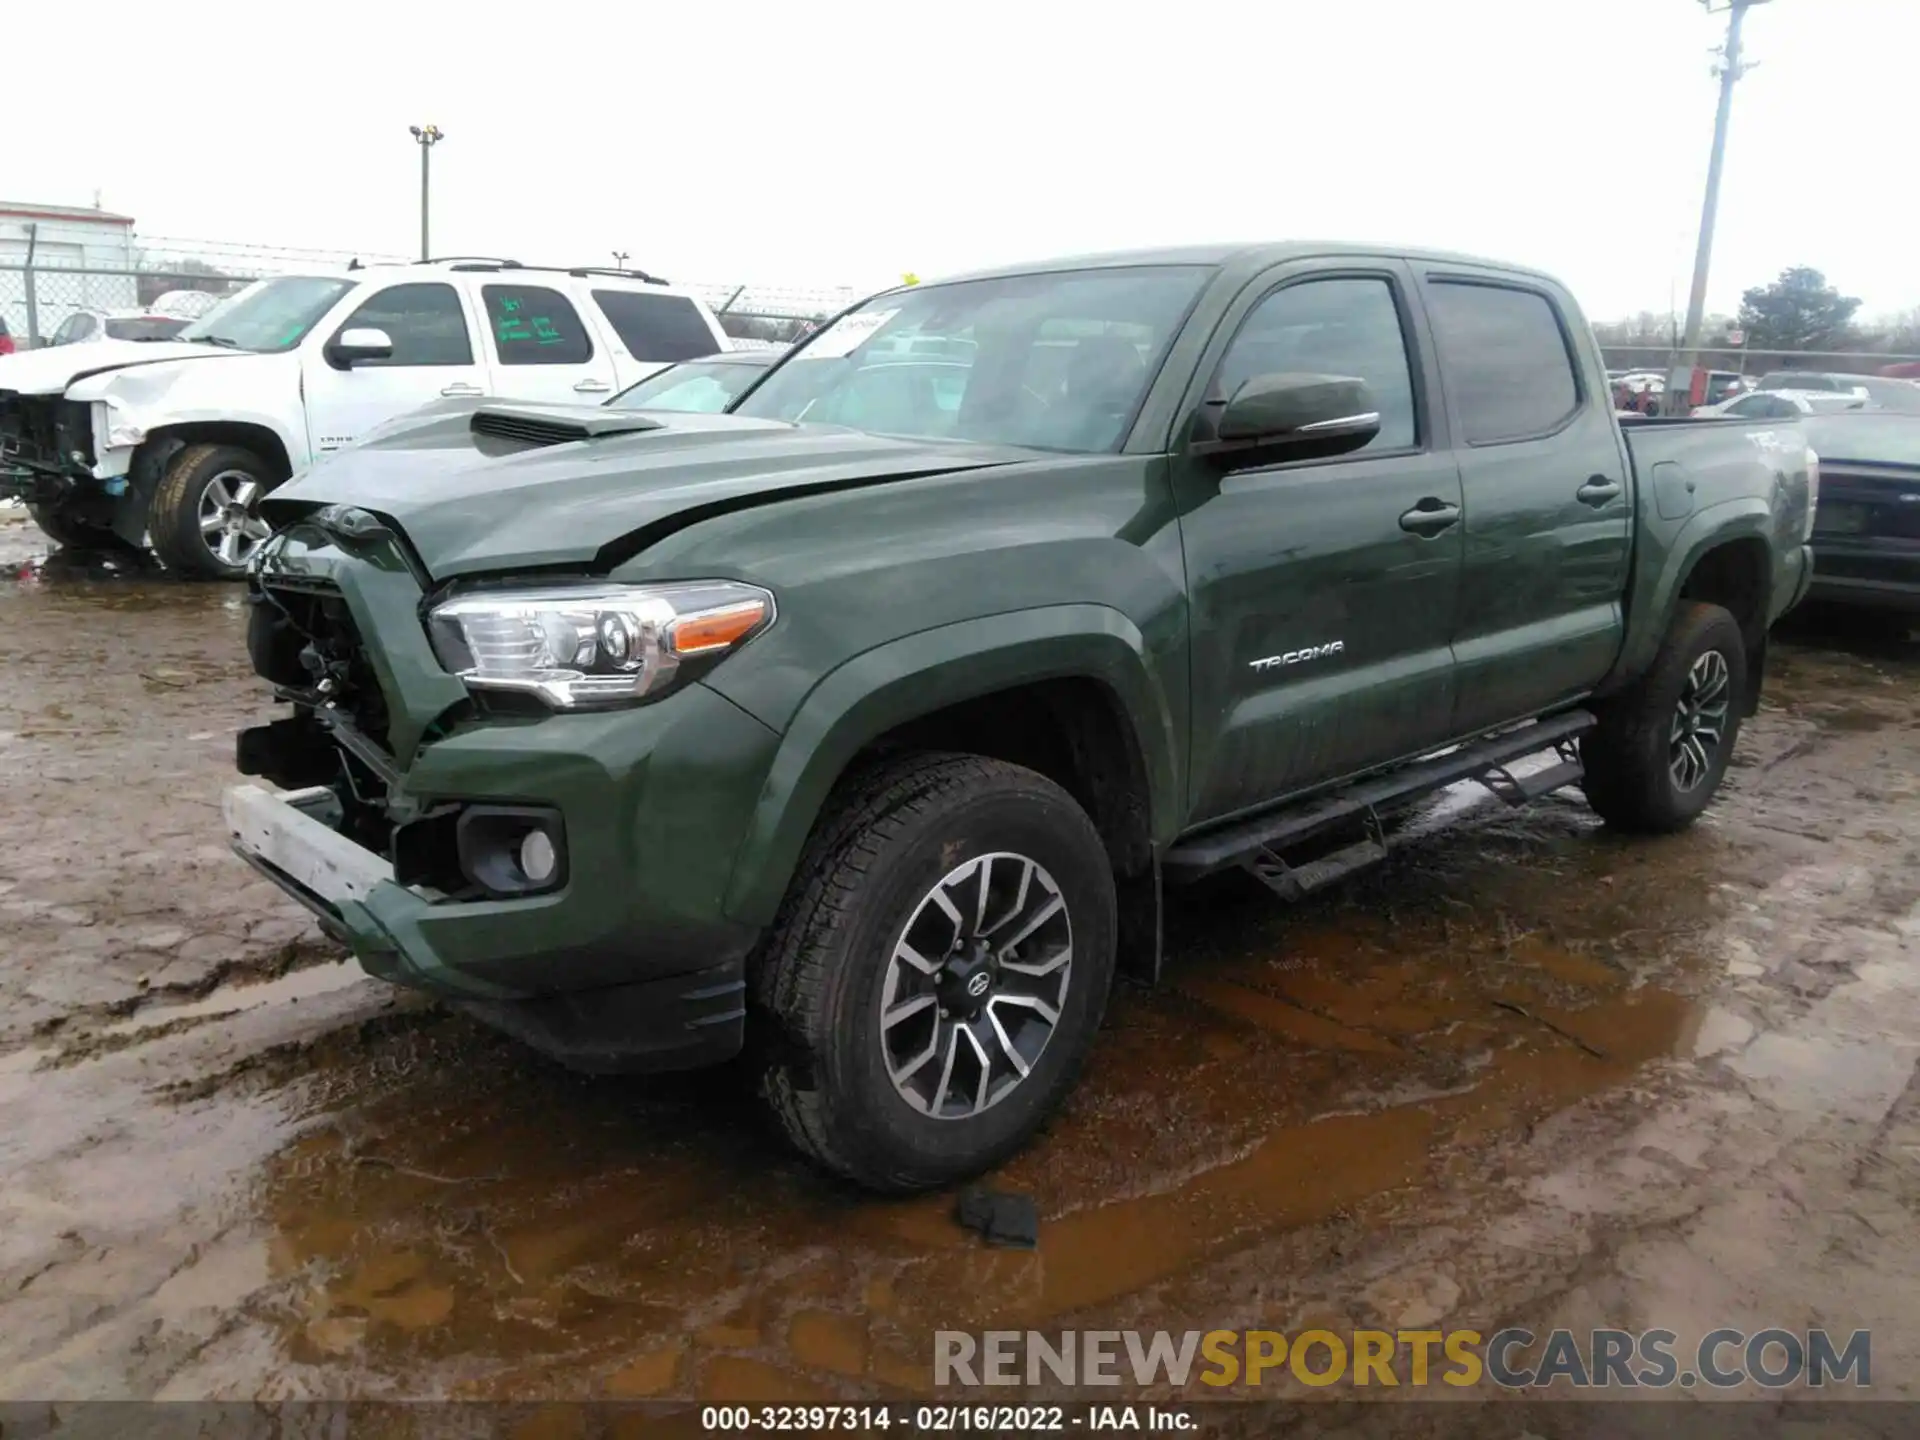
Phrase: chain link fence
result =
(1758, 362)
(47, 300)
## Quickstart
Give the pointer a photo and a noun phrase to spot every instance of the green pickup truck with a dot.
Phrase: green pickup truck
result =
(859, 729)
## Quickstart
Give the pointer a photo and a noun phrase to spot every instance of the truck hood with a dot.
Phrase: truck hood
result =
(51, 371)
(471, 503)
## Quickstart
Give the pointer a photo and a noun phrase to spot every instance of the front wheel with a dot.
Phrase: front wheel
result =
(67, 530)
(1658, 755)
(205, 520)
(938, 971)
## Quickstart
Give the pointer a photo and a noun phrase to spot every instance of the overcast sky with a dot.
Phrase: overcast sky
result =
(846, 142)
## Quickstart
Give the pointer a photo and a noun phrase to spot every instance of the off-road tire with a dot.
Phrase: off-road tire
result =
(1629, 780)
(173, 523)
(71, 533)
(887, 835)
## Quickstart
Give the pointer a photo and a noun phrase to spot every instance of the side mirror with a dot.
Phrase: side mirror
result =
(357, 346)
(1292, 417)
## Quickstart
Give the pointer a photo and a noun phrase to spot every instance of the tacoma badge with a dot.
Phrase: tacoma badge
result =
(1294, 657)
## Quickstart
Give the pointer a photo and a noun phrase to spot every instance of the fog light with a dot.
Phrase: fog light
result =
(511, 850)
(537, 858)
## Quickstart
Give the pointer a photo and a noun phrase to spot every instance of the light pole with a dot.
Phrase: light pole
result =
(427, 136)
(1730, 72)
(620, 259)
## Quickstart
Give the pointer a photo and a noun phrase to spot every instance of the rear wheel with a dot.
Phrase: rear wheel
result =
(938, 971)
(204, 520)
(69, 531)
(1658, 755)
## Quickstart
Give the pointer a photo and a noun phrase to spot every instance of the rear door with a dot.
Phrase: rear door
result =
(1549, 496)
(1322, 592)
(540, 346)
(647, 328)
(435, 355)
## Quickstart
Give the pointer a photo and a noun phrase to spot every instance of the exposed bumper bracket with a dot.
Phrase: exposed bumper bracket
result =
(281, 834)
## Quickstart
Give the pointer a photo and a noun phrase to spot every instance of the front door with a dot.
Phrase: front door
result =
(433, 356)
(1322, 591)
(1548, 494)
(542, 350)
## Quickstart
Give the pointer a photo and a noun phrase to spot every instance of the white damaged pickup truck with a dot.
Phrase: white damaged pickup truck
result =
(172, 443)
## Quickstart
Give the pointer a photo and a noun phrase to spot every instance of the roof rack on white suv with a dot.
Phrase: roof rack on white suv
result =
(487, 263)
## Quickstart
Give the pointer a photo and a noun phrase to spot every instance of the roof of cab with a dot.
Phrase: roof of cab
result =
(1249, 255)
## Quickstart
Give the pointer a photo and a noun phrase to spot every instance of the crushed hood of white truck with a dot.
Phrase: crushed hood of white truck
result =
(50, 371)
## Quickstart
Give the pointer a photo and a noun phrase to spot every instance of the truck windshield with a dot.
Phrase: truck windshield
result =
(269, 314)
(1055, 362)
(700, 385)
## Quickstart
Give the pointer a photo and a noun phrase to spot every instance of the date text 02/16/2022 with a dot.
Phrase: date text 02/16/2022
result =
(946, 1419)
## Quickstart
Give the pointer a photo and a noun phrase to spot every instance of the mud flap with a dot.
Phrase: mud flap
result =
(133, 505)
(1140, 908)
(1756, 676)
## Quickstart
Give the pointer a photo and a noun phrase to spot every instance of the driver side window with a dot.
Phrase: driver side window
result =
(426, 322)
(1348, 325)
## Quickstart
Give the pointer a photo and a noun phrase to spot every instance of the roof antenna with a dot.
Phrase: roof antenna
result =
(354, 264)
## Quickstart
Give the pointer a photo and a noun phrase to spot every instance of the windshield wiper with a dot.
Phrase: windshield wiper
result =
(221, 340)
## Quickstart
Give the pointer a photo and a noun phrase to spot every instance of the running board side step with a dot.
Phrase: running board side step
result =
(1255, 844)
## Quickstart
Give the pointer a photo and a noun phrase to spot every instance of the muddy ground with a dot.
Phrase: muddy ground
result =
(1526, 1073)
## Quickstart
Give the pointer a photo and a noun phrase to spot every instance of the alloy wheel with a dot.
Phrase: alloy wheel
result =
(229, 527)
(1699, 721)
(975, 985)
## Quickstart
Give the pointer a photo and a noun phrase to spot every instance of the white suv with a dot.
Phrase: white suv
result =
(171, 442)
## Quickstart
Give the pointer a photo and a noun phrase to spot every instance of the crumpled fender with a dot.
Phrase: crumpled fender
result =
(141, 400)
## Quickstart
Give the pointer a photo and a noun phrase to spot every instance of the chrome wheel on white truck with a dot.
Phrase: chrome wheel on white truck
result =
(205, 520)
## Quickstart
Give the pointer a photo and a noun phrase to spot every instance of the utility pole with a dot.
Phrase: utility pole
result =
(427, 136)
(1730, 71)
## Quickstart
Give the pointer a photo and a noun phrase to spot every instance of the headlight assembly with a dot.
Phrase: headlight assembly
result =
(586, 647)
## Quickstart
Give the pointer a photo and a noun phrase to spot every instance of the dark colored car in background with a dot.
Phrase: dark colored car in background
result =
(1866, 532)
(706, 386)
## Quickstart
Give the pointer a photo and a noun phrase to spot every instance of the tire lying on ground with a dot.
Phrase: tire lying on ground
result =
(938, 970)
(1657, 757)
(203, 522)
(69, 531)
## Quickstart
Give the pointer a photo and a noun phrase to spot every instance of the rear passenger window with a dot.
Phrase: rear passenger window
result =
(1505, 360)
(657, 327)
(1330, 327)
(533, 325)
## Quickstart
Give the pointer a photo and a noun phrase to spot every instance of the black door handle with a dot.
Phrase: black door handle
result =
(1430, 517)
(1598, 491)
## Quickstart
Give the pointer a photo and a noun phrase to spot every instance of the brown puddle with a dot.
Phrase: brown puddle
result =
(470, 1211)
